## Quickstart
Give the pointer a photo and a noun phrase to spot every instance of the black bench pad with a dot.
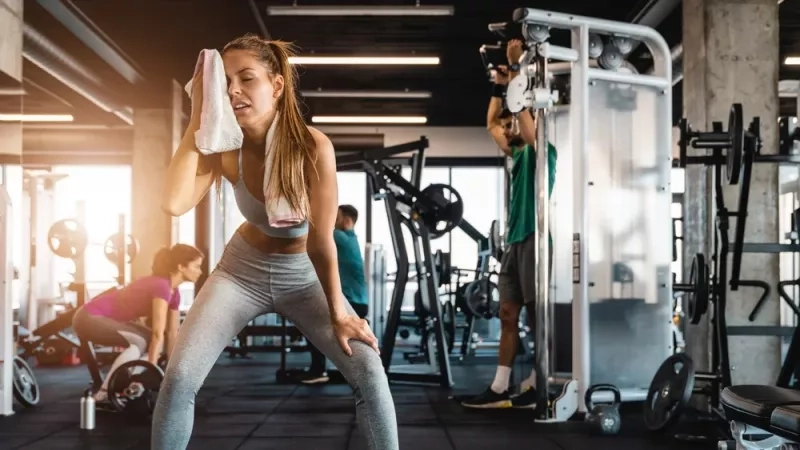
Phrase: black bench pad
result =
(786, 422)
(754, 404)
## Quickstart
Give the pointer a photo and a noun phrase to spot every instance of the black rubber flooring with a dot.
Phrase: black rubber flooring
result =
(242, 408)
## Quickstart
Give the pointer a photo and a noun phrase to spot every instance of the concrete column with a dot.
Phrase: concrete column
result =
(11, 216)
(156, 134)
(11, 79)
(731, 55)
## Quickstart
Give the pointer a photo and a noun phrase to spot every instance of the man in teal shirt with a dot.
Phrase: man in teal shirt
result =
(351, 276)
(517, 280)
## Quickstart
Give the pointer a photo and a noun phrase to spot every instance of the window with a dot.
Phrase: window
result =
(481, 190)
(353, 191)
(102, 208)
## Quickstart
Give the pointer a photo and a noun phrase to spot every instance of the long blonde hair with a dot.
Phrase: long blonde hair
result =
(293, 145)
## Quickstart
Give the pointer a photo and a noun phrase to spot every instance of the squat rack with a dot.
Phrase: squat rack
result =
(403, 198)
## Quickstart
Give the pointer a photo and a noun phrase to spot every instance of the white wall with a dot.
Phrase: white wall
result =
(449, 142)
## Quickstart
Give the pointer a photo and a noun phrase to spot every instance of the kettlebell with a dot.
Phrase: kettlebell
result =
(603, 419)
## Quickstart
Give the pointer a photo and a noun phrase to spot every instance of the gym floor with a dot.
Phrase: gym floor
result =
(241, 407)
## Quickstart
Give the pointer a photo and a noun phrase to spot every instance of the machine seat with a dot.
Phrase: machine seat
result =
(754, 404)
(786, 422)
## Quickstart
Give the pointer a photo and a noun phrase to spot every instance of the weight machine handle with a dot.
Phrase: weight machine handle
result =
(764, 296)
(785, 295)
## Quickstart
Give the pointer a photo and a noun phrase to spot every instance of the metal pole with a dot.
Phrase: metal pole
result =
(541, 263)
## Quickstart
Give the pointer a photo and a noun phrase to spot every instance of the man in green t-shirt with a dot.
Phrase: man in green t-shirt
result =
(517, 282)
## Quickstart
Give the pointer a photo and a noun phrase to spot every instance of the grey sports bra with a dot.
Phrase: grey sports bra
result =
(255, 212)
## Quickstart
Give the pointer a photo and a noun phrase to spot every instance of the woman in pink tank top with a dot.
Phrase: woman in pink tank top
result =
(111, 318)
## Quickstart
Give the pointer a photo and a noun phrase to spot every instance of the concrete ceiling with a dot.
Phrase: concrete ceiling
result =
(125, 53)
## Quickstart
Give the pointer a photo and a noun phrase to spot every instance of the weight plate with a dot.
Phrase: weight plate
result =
(698, 298)
(735, 154)
(495, 244)
(461, 300)
(67, 238)
(482, 298)
(26, 389)
(133, 387)
(669, 392)
(115, 244)
(518, 94)
(448, 212)
(449, 323)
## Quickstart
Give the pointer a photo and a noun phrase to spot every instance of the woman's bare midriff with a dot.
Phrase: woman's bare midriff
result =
(269, 244)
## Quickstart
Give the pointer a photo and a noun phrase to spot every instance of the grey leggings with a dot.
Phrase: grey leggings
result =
(101, 330)
(245, 284)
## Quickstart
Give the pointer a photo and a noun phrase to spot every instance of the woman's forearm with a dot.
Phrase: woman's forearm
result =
(322, 253)
(171, 338)
(154, 350)
(185, 187)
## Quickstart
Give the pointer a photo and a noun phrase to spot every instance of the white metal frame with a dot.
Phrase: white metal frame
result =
(7, 311)
(583, 72)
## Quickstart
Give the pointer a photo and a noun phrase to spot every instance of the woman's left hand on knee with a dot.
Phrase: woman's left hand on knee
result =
(352, 327)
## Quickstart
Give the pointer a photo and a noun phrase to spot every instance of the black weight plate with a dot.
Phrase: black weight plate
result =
(697, 300)
(26, 389)
(447, 214)
(735, 154)
(482, 298)
(669, 392)
(495, 245)
(67, 238)
(133, 387)
(461, 300)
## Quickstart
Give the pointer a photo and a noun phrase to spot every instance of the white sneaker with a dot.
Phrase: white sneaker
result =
(101, 396)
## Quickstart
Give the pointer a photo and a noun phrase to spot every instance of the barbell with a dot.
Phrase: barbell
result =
(67, 238)
(731, 140)
(697, 290)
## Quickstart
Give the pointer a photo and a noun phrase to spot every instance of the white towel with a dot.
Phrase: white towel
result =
(281, 214)
(219, 130)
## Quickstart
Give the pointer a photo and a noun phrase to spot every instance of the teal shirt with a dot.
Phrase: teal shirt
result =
(522, 205)
(351, 266)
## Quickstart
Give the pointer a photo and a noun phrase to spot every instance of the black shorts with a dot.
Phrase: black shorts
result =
(517, 280)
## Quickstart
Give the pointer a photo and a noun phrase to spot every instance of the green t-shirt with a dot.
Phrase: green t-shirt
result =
(522, 207)
(351, 266)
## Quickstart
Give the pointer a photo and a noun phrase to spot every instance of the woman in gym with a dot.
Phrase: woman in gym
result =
(107, 318)
(268, 268)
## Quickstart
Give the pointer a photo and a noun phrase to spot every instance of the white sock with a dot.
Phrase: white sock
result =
(131, 353)
(501, 377)
(529, 382)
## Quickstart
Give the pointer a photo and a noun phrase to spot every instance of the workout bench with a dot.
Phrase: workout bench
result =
(769, 416)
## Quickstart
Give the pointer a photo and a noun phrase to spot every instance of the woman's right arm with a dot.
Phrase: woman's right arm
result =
(190, 173)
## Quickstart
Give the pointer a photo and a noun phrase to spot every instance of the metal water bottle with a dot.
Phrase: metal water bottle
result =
(87, 410)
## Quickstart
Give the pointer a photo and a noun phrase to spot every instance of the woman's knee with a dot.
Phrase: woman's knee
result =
(364, 366)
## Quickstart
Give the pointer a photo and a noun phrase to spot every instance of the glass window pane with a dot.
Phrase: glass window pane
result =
(353, 191)
(481, 190)
(102, 208)
(678, 180)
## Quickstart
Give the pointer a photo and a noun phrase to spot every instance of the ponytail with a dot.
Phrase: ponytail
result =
(168, 260)
(162, 263)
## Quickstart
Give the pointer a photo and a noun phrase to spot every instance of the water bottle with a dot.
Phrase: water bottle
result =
(87, 410)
